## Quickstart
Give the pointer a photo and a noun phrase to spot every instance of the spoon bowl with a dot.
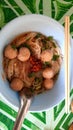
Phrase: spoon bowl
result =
(26, 97)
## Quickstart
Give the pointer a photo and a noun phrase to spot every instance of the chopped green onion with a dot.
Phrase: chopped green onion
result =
(13, 46)
(50, 37)
(38, 87)
(37, 35)
(46, 64)
(44, 40)
(23, 45)
(54, 45)
(47, 45)
(31, 74)
(31, 89)
(55, 57)
(28, 38)
(26, 45)
(43, 48)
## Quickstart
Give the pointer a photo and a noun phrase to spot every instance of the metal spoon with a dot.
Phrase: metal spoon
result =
(26, 97)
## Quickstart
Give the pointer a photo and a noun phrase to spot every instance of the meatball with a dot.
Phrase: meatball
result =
(46, 55)
(55, 67)
(48, 83)
(17, 84)
(48, 73)
(24, 54)
(10, 52)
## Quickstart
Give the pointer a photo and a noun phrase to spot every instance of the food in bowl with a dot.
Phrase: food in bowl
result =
(32, 60)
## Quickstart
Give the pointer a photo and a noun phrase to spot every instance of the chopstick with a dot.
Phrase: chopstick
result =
(67, 65)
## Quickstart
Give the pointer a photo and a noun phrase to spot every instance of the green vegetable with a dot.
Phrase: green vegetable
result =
(46, 64)
(36, 80)
(47, 45)
(38, 87)
(2, 17)
(31, 89)
(32, 74)
(43, 48)
(24, 45)
(50, 37)
(37, 35)
(14, 46)
(54, 45)
(55, 57)
(28, 38)
(44, 40)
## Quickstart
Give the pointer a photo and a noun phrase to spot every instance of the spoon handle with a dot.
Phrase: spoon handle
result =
(25, 104)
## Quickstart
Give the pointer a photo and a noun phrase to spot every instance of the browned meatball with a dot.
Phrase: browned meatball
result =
(48, 73)
(17, 84)
(48, 83)
(46, 55)
(24, 54)
(55, 67)
(10, 52)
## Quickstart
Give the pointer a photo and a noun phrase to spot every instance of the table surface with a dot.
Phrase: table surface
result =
(55, 118)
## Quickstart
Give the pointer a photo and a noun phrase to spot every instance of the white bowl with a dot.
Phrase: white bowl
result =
(47, 26)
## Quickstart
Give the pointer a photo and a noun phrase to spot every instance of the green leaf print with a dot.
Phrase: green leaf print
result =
(41, 7)
(58, 109)
(2, 18)
(61, 7)
(31, 4)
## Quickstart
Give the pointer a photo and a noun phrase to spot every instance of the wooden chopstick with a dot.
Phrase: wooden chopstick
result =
(67, 64)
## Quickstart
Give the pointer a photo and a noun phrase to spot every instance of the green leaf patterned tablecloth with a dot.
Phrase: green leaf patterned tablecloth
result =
(55, 118)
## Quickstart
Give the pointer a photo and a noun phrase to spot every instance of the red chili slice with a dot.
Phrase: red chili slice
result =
(36, 64)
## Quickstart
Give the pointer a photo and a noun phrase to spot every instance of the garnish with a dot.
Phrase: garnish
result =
(55, 57)
(28, 39)
(36, 64)
(31, 89)
(47, 45)
(50, 37)
(43, 40)
(38, 87)
(46, 64)
(32, 74)
(37, 35)
(24, 45)
(54, 44)
(13, 46)
(36, 68)
(36, 84)
(43, 48)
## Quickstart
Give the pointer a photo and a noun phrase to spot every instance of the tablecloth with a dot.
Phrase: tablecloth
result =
(54, 118)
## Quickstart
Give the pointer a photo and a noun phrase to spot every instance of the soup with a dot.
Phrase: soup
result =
(32, 60)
